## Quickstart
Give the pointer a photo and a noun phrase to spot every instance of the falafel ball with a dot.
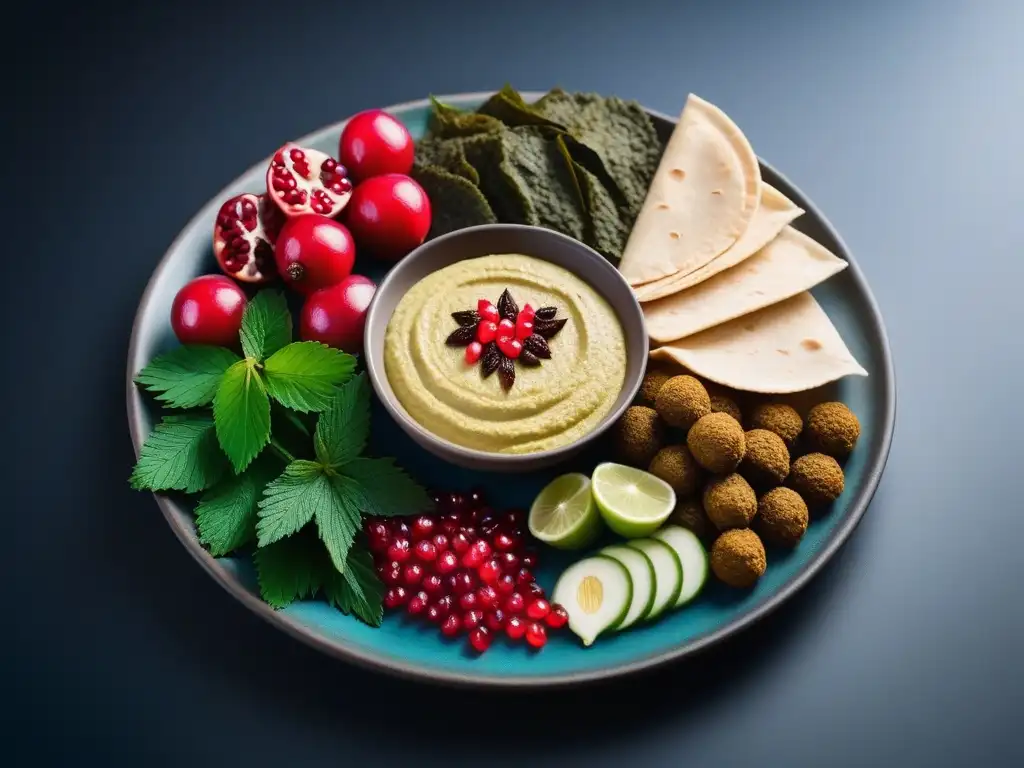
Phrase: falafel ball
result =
(730, 502)
(689, 513)
(681, 401)
(717, 443)
(779, 418)
(639, 435)
(676, 466)
(654, 380)
(738, 558)
(724, 404)
(818, 478)
(782, 517)
(766, 462)
(832, 428)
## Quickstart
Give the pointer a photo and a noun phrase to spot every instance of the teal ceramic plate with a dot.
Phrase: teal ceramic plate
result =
(411, 650)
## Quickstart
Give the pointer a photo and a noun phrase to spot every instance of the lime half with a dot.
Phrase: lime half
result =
(633, 503)
(564, 514)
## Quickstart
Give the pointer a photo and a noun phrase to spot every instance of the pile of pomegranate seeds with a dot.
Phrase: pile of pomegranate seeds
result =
(465, 569)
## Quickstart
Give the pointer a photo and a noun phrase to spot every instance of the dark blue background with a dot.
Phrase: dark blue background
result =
(902, 120)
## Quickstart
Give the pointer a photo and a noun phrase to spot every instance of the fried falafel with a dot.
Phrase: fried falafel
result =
(681, 401)
(724, 404)
(766, 462)
(717, 443)
(676, 466)
(639, 435)
(690, 513)
(782, 517)
(779, 418)
(654, 380)
(730, 502)
(818, 478)
(738, 558)
(832, 428)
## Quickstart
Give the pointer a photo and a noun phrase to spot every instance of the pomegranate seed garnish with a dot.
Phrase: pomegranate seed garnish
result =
(472, 619)
(468, 601)
(449, 527)
(557, 618)
(417, 604)
(515, 628)
(527, 311)
(446, 562)
(477, 554)
(510, 347)
(536, 635)
(432, 584)
(490, 572)
(464, 582)
(529, 560)
(534, 590)
(487, 597)
(509, 561)
(377, 533)
(473, 352)
(423, 527)
(538, 609)
(524, 327)
(487, 311)
(392, 575)
(495, 620)
(444, 604)
(486, 331)
(515, 604)
(470, 531)
(505, 542)
(440, 542)
(524, 577)
(412, 574)
(460, 543)
(480, 639)
(426, 551)
(399, 550)
(506, 328)
(506, 585)
(451, 626)
(395, 597)
(434, 614)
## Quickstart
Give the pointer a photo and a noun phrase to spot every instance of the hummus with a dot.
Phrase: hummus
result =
(550, 405)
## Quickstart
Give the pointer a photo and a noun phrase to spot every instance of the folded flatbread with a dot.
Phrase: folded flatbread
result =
(791, 346)
(788, 265)
(701, 200)
(773, 213)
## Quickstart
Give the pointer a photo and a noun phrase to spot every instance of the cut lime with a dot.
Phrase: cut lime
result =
(564, 514)
(633, 503)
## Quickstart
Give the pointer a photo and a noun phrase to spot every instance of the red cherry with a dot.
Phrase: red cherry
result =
(423, 527)
(377, 533)
(374, 142)
(538, 609)
(418, 604)
(480, 639)
(432, 584)
(515, 604)
(412, 575)
(336, 316)
(487, 597)
(473, 352)
(515, 628)
(558, 617)
(395, 597)
(314, 252)
(486, 330)
(523, 328)
(495, 620)
(398, 551)
(426, 551)
(506, 585)
(389, 215)
(536, 635)
(208, 310)
(451, 626)
(490, 572)
(506, 328)
(510, 347)
(446, 563)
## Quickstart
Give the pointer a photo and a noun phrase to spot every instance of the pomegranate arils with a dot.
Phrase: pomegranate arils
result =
(244, 234)
(506, 585)
(398, 550)
(495, 620)
(432, 584)
(464, 582)
(536, 635)
(446, 563)
(412, 574)
(480, 639)
(487, 597)
(534, 590)
(473, 352)
(472, 619)
(505, 543)
(538, 609)
(509, 561)
(434, 614)
(451, 626)
(524, 577)
(515, 628)
(460, 543)
(391, 574)
(377, 533)
(440, 542)
(468, 601)
(302, 180)
(515, 603)
(426, 551)
(486, 332)
(395, 597)
(417, 604)
(557, 618)
(487, 310)
(399, 528)
(490, 572)
(423, 527)
(529, 560)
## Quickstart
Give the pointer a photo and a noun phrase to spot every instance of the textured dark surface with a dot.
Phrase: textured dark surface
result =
(899, 119)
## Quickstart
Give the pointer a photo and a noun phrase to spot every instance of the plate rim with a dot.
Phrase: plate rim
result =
(341, 649)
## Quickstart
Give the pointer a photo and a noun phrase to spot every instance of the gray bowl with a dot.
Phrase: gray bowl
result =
(484, 240)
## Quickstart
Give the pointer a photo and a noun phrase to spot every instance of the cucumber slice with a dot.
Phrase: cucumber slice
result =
(641, 573)
(668, 574)
(693, 557)
(596, 593)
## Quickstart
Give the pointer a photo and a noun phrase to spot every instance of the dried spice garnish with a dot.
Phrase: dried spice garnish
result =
(498, 335)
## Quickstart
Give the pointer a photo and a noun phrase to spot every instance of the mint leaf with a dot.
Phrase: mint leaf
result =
(342, 431)
(266, 324)
(241, 410)
(357, 591)
(384, 489)
(339, 520)
(304, 375)
(187, 376)
(226, 514)
(290, 501)
(180, 455)
(290, 569)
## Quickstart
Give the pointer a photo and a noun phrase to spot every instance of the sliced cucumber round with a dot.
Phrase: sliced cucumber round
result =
(641, 573)
(691, 554)
(668, 574)
(596, 592)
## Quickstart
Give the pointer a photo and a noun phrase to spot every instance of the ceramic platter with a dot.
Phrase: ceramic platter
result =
(418, 650)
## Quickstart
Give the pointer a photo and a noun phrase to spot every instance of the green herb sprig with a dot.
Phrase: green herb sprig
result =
(301, 509)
